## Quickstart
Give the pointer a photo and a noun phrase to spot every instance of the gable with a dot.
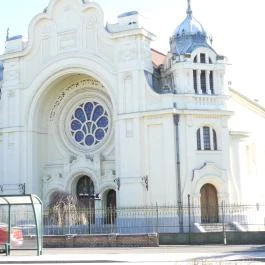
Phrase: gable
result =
(66, 25)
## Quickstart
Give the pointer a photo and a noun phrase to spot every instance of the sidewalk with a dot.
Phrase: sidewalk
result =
(161, 255)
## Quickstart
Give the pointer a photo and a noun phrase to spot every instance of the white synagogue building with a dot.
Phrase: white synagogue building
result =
(91, 108)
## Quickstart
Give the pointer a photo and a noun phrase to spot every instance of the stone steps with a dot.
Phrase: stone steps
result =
(218, 227)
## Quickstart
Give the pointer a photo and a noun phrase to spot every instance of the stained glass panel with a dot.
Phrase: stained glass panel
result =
(79, 136)
(103, 122)
(89, 123)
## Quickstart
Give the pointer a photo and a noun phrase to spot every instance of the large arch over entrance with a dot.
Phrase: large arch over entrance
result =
(209, 204)
(51, 92)
(54, 121)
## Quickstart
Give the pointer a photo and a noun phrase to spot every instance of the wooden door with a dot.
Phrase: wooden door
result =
(209, 204)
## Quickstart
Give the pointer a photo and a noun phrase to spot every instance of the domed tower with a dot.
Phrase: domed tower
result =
(195, 72)
(188, 36)
(192, 65)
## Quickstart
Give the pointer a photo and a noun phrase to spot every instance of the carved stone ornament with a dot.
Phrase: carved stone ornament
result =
(91, 83)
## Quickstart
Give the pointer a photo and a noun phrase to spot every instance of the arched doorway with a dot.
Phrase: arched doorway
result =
(209, 204)
(85, 191)
(111, 207)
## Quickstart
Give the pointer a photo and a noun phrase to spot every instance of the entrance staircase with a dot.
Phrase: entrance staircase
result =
(216, 227)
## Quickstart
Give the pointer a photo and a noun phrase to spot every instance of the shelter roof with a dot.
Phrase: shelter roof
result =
(19, 199)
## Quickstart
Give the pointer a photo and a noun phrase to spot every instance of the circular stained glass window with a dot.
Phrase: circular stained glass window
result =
(89, 124)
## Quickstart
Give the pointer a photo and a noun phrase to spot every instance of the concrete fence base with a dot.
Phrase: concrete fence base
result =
(231, 238)
(107, 240)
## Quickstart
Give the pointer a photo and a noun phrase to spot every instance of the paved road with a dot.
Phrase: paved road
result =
(169, 255)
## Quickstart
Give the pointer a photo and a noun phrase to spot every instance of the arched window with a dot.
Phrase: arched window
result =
(84, 187)
(206, 139)
(199, 144)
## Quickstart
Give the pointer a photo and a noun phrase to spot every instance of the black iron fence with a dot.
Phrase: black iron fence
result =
(161, 219)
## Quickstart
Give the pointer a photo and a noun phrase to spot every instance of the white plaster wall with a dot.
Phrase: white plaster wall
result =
(194, 160)
(248, 148)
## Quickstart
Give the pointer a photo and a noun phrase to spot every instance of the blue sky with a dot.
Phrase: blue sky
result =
(236, 27)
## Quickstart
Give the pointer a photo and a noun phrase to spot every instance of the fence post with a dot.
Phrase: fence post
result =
(111, 223)
(8, 243)
(223, 217)
(157, 218)
(189, 216)
(89, 204)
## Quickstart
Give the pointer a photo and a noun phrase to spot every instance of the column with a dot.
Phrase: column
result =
(199, 81)
(208, 89)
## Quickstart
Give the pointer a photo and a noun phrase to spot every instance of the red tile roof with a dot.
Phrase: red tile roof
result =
(158, 58)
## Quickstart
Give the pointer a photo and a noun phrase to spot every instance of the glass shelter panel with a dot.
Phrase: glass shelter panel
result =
(20, 223)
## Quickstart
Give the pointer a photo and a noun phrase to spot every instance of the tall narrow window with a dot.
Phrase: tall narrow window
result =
(195, 60)
(202, 58)
(199, 146)
(206, 139)
(195, 81)
(214, 140)
(211, 82)
(203, 82)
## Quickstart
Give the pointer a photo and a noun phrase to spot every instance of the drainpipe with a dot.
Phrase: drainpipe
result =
(179, 197)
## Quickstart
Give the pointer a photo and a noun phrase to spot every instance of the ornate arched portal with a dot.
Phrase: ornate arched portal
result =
(73, 121)
(209, 204)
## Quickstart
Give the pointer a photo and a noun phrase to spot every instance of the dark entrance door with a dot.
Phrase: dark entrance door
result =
(111, 207)
(209, 204)
(85, 192)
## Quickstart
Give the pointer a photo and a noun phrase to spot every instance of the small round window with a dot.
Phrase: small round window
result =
(89, 124)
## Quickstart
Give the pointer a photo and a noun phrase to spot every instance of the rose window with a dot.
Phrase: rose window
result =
(89, 124)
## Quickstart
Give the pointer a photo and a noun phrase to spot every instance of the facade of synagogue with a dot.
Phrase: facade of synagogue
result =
(90, 108)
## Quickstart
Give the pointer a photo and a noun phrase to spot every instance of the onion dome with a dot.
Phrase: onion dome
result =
(189, 35)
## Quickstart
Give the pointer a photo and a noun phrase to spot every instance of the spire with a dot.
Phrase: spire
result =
(189, 11)
(7, 34)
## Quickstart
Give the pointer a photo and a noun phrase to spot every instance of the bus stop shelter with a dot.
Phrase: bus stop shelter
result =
(15, 212)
